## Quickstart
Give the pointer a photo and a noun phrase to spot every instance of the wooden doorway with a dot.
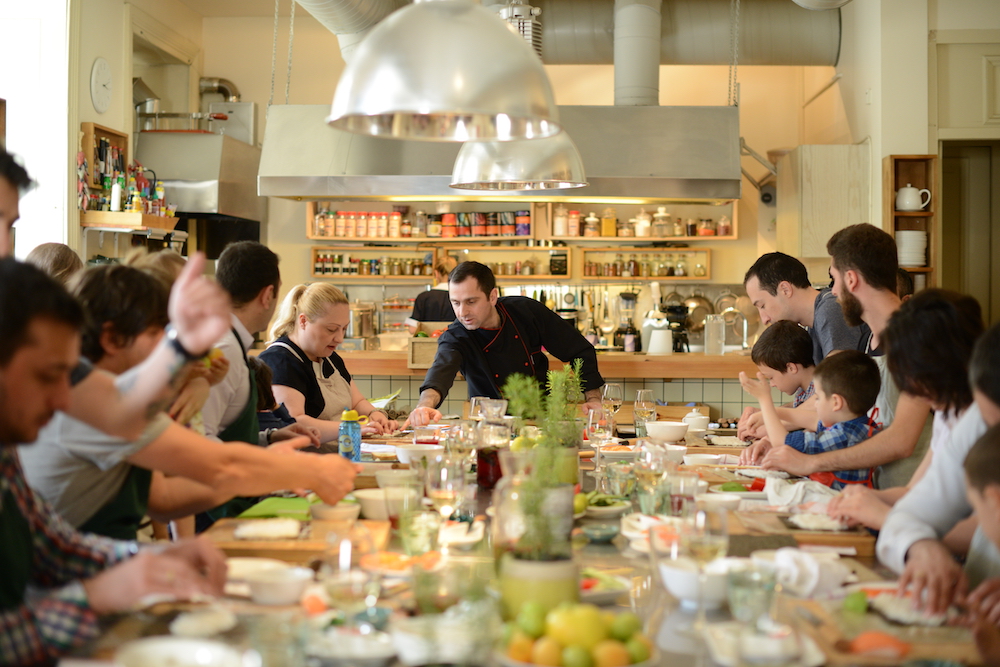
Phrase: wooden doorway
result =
(970, 222)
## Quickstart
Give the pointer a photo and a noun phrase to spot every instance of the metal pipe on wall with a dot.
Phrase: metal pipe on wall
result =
(637, 52)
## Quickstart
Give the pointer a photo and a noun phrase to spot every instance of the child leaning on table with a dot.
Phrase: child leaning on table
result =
(982, 487)
(846, 384)
(784, 356)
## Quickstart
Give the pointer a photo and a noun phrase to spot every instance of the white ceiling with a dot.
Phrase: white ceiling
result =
(233, 8)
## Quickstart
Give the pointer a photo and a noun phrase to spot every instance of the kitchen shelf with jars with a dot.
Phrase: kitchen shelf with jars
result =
(910, 199)
(465, 222)
(645, 264)
(360, 264)
(521, 264)
(680, 223)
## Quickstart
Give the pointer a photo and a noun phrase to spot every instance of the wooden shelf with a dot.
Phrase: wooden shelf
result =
(92, 134)
(641, 239)
(913, 214)
(126, 221)
(919, 171)
(917, 269)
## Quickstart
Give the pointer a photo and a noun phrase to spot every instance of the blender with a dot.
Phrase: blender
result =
(627, 336)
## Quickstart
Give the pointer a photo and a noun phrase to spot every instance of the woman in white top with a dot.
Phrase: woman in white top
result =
(310, 378)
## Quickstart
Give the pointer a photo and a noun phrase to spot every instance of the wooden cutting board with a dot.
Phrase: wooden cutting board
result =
(751, 523)
(310, 544)
(835, 629)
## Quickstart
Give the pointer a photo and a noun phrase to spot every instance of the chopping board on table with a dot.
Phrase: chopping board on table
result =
(833, 629)
(310, 544)
(749, 523)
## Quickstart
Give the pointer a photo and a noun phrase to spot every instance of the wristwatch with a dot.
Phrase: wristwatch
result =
(173, 339)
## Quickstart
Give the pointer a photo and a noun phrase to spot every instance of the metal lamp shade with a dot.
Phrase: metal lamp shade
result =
(552, 163)
(445, 70)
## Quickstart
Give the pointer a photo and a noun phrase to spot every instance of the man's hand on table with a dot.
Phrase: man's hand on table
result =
(335, 477)
(934, 578)
(789, 459)
(184, 571)
(754, 453)
(422, 416)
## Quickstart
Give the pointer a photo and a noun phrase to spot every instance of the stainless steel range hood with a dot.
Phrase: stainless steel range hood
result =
(632, 154)
(208, 176)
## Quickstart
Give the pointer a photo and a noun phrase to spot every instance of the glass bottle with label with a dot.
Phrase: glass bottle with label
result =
(609, 222)
(573, 224)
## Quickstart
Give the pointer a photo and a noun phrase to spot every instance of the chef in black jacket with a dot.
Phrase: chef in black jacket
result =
(493, 337)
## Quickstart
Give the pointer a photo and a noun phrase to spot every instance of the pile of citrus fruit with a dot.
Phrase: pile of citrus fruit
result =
(576, 635)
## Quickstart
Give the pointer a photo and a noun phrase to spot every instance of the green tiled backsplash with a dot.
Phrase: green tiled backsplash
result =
(725, 397)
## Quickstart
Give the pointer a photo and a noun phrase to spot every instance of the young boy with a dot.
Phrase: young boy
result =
(784, 357)
(982, 488)
(847, 384)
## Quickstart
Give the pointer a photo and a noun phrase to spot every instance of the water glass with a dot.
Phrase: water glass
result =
(446, 484)
(751, 593)
(402, 495)
(654, 499)
(493, 408)
(475, 408)
(620, 479)
(683, 488)
(418, 531)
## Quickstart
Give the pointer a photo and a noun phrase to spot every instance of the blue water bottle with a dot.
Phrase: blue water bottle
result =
(349, 439)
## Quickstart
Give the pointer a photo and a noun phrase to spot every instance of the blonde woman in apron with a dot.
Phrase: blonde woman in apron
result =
(310, 378)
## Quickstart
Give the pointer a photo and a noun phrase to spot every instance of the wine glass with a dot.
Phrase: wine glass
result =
(704, 536)
(599, 429)
(460, 440)
(351, 587)
(612, 397)
(446, 484)
(643, 411)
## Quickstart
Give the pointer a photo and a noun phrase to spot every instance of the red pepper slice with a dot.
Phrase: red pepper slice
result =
(758, 484)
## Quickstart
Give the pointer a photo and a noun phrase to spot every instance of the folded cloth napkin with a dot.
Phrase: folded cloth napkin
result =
(809, 575)
(781, 492)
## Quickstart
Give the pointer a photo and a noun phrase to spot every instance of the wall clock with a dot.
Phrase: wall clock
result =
(100, 85)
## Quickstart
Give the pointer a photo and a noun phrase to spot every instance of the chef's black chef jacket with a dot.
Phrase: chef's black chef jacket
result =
(487, 356)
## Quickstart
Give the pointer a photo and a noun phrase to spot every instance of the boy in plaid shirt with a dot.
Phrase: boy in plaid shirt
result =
(846, 384)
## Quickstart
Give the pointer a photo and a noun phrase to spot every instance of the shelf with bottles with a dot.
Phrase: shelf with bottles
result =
(521, 263)
(633, 224)
(341, 222)
(691, 265)
(106, 151)
(909, 199)
(361, 264)
(126, 221)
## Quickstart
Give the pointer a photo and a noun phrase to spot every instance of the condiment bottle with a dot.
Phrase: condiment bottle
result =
(362, 224)
(573, 224)
(383, 226)
(560, 221)
(643, 223)
(395, 223)
(609, 222)
(340, 225)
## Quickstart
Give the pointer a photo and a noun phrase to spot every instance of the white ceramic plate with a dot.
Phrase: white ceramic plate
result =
(458, 534)
(722, 644)
(611, 510)
(745, 495)
(605, 596)
(619, 455)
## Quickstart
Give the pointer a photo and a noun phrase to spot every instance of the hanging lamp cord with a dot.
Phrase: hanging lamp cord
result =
(274, 52)
(734, 51)
(291, 37)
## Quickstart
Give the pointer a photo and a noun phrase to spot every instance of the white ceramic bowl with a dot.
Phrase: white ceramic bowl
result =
(176, 652)
(676, 452)
(279, 587)
(411, 454)
(702, 459)
(342, 511)
(341, 648)
(681, 579)
(716, 501)
(666, 431)
(386, 478)
(378, 504)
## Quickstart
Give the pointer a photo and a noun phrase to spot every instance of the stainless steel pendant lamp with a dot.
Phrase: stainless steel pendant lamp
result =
(552, 163)
(445, 70)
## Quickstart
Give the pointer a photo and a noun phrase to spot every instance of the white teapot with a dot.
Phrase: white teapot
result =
(911, 198)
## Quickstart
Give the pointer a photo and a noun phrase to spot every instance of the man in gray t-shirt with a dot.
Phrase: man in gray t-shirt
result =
(779, 287)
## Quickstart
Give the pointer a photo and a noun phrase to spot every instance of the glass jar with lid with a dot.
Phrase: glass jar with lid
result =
(668, 266)
(626, 227)
(645, 269)
(643, 223)
(681, 268)
(592, 226)
(661, 223)
(619, 264)
(633, 265)
(609, 222)
(706, 227)
(679, 228)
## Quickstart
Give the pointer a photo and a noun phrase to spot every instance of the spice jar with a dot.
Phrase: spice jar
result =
(591, 226)
(661, 222)
(626, 227)
(573, 224)
(609, 222)
(706, 227)
(643, 223)
(691, 227)
(725, 226)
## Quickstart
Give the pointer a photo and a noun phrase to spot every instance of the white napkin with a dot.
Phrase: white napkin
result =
(809, 575)
(781, 492)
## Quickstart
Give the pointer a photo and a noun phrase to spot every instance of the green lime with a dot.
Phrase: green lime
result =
(531, 619)
(421, 334)
(638, 650)
(624, 626)
(856, 602)
(576, 656)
